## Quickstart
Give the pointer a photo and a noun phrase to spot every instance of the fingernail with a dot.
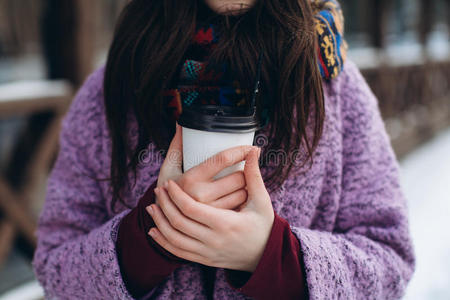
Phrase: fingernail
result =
(166, 184)
(151, 232)
(156, 190)
(150, 209)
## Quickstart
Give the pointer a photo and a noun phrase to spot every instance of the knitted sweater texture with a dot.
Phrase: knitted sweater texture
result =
(347, 211)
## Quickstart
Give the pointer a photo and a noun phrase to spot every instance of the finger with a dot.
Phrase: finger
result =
(174, 157)
(193, 209)
(226, 185)
(252, 173)
(208, 192)
(231, 201)
(181, 253)
(179, 221)
(175, 237)
(213, 165)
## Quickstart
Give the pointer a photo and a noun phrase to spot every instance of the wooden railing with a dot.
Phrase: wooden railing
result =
(401, 89)
(414, 101)
(22, 183)
(414, 97)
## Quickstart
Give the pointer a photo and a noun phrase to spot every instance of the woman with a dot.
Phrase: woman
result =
(121, 222)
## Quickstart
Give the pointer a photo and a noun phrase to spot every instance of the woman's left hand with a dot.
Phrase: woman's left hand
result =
(213, 236)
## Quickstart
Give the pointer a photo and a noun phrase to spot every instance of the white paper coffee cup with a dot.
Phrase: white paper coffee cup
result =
(199, 145)
(208, 130)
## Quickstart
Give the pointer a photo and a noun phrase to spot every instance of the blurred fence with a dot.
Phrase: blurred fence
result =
(72, 36)
(414, 101)
(19, 26)
(67, 35)
(408, 67)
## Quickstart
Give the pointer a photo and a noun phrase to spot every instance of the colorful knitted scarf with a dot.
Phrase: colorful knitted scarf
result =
(218, 87)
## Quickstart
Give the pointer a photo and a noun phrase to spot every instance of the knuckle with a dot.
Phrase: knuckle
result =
(202, 196)
(197, 194)
(226, 227)
(188, 209)
(225, 158)
(186, 181)
(201, 214)
(223, 226)
(229, 226)
(242, 195)
(202, 199)
(162, 205)
(237, 200)
(217, 243)
(219, 204)
(177, 223)
(173, 240)
(177, 243)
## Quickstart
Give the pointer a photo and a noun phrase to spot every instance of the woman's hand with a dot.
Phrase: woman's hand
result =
(227, 192)
(171, 167)
(214, 236)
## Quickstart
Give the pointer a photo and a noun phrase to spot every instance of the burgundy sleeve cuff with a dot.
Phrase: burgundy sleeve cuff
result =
(143, 262)
(280, 272)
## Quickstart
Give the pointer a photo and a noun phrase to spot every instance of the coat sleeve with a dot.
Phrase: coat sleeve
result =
(76, 256)
(369, 253)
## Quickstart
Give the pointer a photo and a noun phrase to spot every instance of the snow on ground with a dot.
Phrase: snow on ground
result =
(28, 291)
(426, 182)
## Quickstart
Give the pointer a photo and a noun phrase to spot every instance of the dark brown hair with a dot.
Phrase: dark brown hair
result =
(150, 40)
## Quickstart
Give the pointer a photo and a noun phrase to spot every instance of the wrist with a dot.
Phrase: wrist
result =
(257, 258)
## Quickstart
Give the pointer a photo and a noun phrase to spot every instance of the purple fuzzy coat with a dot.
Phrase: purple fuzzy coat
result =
(348, 211)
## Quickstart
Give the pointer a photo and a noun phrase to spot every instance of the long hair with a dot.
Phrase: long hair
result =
(149, 43)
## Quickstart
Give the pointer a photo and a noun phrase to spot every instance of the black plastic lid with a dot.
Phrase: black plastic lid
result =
(219, 119)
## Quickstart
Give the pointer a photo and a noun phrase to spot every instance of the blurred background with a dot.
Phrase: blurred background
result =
(48, 47)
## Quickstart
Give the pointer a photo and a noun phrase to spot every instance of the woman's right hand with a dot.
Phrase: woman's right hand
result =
(228, 192)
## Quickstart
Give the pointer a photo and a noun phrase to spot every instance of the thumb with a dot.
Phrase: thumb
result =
(174, 157)
(252, 174)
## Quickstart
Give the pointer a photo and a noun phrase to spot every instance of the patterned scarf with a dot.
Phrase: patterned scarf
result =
(218, 87)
